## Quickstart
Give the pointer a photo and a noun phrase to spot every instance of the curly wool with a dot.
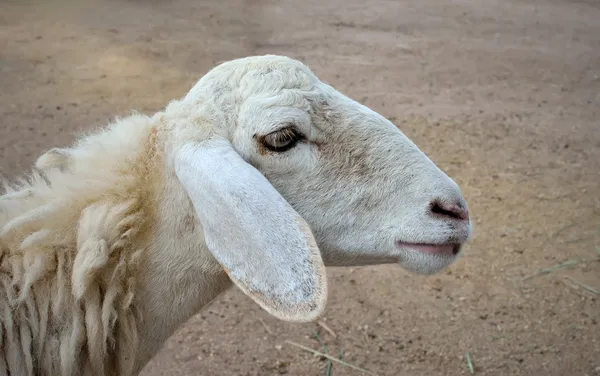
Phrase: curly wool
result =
(69, 249)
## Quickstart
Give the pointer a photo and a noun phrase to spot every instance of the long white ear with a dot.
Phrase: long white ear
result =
(263, 244)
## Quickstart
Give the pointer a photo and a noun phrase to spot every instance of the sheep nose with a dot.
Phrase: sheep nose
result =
(456, 210)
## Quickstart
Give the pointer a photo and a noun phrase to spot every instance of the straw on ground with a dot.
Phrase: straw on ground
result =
(315, 352)
(470, 364)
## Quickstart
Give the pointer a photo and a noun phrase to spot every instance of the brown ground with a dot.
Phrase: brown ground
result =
(503, 95)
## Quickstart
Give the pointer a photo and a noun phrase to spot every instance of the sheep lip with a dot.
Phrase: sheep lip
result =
(453, 249)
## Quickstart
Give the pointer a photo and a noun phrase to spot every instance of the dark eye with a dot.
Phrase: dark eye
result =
(281, 140)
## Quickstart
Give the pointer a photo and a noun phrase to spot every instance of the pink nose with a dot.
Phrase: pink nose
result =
(455, 211)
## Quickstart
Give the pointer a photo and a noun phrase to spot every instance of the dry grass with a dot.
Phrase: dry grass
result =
(470, 364)
(331, 358)
(584, 286)
(572, 262)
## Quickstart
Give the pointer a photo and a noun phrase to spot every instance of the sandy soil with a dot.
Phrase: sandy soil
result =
(503, 95)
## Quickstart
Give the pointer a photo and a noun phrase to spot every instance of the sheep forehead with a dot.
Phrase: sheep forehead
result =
(285, 82)
(254, 75)
(252, 71)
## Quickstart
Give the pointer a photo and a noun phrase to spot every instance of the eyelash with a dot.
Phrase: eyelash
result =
(288, 137)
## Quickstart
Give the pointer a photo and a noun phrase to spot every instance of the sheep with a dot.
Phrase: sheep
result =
(261, 176)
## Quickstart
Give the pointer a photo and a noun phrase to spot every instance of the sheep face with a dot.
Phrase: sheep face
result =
(367, 193)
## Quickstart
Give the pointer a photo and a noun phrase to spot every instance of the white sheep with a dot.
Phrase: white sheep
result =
(261, 176)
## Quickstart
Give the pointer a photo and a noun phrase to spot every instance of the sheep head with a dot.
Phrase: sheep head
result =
(287, 175)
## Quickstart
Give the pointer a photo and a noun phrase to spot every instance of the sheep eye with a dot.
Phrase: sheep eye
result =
(282, 140)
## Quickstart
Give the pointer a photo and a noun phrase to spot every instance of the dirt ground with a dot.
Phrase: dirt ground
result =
(502, 95)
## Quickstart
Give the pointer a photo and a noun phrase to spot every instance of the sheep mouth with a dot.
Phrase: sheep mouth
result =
(439, 249)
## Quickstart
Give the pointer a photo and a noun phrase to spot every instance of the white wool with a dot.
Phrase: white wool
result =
(69, 248)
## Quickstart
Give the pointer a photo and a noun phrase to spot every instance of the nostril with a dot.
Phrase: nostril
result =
(456, 211)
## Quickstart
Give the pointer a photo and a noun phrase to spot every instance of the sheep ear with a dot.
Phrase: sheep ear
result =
(263, 244)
